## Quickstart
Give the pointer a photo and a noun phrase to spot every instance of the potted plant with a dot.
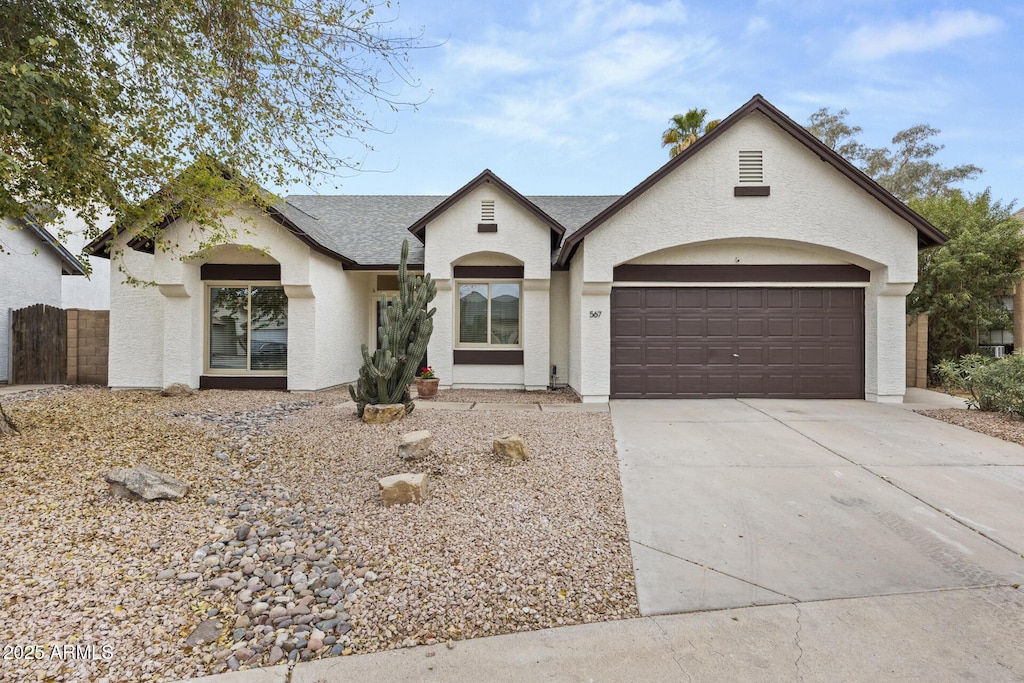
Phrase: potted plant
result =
(426, 383)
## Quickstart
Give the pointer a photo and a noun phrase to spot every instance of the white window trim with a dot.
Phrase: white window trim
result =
(234, 372)
(458, 311)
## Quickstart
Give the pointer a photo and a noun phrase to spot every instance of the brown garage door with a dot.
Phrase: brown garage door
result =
(719, 342)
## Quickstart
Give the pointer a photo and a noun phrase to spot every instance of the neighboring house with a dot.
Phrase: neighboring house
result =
(1015, 305)
(756, 263)
(91, 292)
(32, 263)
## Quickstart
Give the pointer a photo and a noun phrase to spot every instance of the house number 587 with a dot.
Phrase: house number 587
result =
(595, 314)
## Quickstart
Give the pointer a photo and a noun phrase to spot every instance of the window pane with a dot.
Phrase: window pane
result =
(269, 329)
(505, 314)
(473, 314)
(229, 325)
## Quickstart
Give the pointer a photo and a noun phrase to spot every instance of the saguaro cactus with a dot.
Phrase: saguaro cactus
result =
(402, 336)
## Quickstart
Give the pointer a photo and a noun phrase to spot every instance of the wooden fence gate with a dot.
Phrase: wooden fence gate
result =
(39, 345)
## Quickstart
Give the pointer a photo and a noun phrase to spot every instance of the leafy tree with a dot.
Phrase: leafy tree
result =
(684, 129)
(109, 102)
(960, 283)
(907, 170)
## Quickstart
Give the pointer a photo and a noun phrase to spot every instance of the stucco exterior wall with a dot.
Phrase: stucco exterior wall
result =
(136, 325)
(92, 292)
(559, 326)
(576, 319)
(326, 321)
(814, 214)
(522, 239)
(29, 274)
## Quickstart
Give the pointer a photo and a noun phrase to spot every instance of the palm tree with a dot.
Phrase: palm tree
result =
(685, 130)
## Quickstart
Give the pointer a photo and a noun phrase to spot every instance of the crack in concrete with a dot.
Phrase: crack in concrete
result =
(866, 469)
(717, 571)
(672, 648)
(796, 641)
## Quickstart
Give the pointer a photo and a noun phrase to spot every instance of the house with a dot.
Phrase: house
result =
(756, 263)
(32, 263)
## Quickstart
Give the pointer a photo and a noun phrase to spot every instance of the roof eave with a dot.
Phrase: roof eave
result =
(928, 235)
(486, 176)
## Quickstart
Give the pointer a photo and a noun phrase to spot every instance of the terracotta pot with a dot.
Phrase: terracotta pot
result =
(427, 388)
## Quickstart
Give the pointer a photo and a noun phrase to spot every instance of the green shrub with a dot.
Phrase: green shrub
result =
(993, 385)
(1002, 383)
(962, 376)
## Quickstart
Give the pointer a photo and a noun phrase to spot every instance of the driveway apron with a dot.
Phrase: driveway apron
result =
(736, 502)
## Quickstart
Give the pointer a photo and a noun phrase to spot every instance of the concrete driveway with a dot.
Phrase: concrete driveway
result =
(743, 502)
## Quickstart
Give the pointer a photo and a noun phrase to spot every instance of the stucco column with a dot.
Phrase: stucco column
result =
(1018, 317)
(885, 337)
(595, 342)
(536, 334)
(302, 334)
(439, 348)
(179, 344)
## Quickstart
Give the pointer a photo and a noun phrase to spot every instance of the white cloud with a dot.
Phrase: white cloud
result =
(757, 25)
(919, 35)
(491, 59)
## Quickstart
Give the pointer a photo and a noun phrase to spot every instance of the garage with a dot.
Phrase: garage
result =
(735, 342)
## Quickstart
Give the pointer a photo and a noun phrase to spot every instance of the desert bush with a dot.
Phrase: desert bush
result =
(994, 385)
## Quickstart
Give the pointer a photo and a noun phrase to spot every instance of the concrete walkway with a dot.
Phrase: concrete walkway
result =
(7, 389)
(969, 634)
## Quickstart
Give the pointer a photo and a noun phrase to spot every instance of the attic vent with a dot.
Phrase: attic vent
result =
(487, 211)
(751, 166)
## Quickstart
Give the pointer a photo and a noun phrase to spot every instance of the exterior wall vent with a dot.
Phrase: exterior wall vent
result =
(487, 223)
(487, 211)
(751, 166)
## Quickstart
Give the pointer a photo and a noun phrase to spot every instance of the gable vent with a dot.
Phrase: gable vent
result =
(487, 211)
(751, 166)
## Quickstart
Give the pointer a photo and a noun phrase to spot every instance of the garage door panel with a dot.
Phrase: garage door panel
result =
(721, 327)
(721, 298)
(660, 298)
(720, 342)
(690, 327)
(721, 355)
(623, 356)
(690, 355)
(656, 326)
(750, 327)
(750, 298)
(659, 354)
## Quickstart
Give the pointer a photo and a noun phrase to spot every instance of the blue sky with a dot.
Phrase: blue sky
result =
(571, 96)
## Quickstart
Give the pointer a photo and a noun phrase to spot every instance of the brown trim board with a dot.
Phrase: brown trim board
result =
(487, 357)
(752, 191)
(488, 271)
(239, 271)
(740, 273)
(487, 227)
(236, 382)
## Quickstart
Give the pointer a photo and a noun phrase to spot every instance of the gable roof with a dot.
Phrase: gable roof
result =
(488, 176)
(928, 234)
(69, 265)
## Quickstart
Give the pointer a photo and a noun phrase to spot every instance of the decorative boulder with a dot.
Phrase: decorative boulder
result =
(146, 483)
(403, 488)
(178, 389)
(415, 445)
(510, 447)
(383, 413)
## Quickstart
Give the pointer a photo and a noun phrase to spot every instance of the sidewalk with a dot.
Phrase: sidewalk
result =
(941, 635)
(6, 389)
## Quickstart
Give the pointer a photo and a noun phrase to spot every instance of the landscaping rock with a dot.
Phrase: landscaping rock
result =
(178, 389)
(383, 413)
(415, 445)
(403, 488)
(146, 483)
(511, 447)
(206, 632)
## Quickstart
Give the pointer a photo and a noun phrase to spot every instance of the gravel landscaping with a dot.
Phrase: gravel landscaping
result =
(999, 425)
(282, 550)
